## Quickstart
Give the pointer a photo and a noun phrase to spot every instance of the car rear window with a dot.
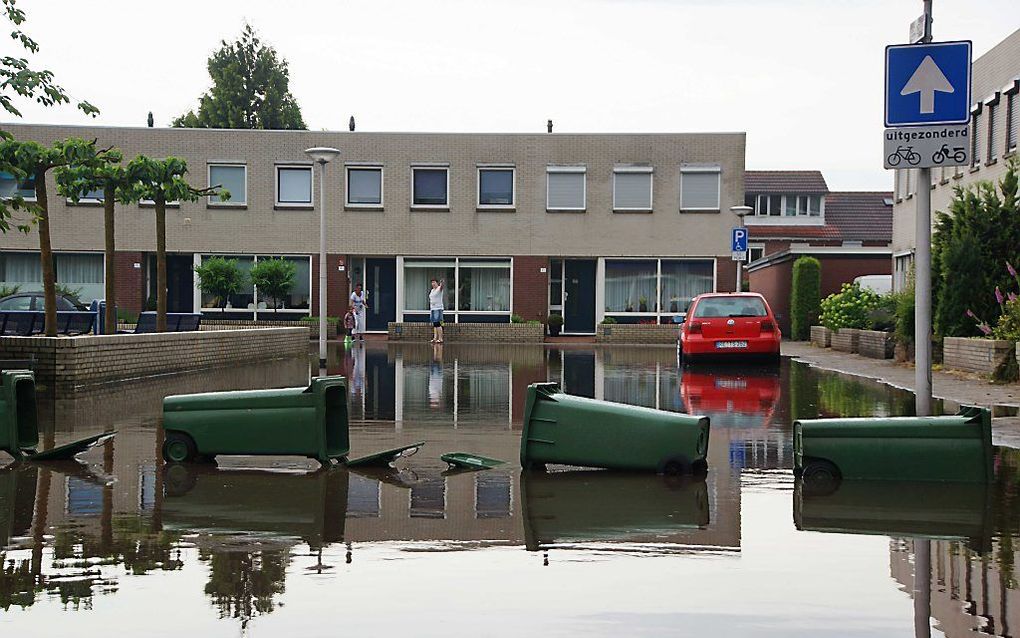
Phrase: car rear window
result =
(730, 307)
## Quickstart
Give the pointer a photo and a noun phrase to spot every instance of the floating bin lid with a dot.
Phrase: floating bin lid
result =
(386, 457)
(470, 461)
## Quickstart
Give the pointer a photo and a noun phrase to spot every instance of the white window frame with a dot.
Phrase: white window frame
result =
(431, 167)
(197, 292)
(753, 246)
(451, 315)
(30, 199)
(276, 185)
(214, 200)
(660, 314)
(513, 186)
(701, 169)
(651, 187)
(363, 166)
(584, 187)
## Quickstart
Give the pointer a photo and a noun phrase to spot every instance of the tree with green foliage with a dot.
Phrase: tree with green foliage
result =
(104, 172)
(162, 181)
(18, 78)
(31, 161)
(221, 278)
(273, 278)
(970, 249)
(251, 89)
(805, 297)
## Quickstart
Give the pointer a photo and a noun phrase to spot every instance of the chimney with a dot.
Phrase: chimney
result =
(350, 124)
(150, 119)
(548, 126)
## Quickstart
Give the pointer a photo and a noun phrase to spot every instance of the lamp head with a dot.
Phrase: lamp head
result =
(322, 154)
(741, 211)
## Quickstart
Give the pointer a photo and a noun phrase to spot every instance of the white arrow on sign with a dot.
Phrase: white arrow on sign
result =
(926, 80)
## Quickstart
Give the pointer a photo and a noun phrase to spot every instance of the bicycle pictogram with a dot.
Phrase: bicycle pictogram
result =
(958, 154)
(904, 153)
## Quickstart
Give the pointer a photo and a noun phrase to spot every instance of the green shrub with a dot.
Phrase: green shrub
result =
(805, 298)
(1009, 322)
(533, 322)
(7, 291)
(849, 308)
(609, 321)
(554, 321)
(67, 291)
(274, 279)
(905, 316)
(883, 315)
(220, 277)
(516, 319)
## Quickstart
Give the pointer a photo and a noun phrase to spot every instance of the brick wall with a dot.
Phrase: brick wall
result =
(470, 332)
(981, 356)
(773, 282)
(875, 344)
(636, 333)
(130, 280)
(725, 274)
(337, 285)
(234, 324)
(65, 364)
(846, 340)
(821, 336)
(531, 287)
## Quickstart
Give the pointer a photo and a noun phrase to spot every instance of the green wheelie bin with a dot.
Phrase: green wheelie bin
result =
(564, 429)
(310, 422)
(935, 448)
(19, 423)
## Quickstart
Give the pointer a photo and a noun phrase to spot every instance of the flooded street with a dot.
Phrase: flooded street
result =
(122, 545)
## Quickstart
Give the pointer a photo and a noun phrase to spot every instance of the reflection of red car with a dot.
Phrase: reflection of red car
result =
(729, 325)
(723, 392)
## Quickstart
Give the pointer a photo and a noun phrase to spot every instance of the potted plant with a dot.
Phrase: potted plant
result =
(643, 303)
(221, 278)
(273, 278)
(674, 304)
(554, 323)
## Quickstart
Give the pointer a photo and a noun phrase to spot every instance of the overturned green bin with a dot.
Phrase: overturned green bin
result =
(19, 423)
(935, 448)
(564, 429)
(310, 422)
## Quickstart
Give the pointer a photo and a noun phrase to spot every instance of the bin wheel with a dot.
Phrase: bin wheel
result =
(179, 448)
(821, 470)
(675, 466)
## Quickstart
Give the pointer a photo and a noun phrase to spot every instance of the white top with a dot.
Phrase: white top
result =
(358, 301)
(436, 298)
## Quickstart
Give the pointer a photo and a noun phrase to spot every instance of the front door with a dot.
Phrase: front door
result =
(180, 282)
(579, 296)
(381, 284)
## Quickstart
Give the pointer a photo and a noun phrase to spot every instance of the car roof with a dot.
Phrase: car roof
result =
(730, 294)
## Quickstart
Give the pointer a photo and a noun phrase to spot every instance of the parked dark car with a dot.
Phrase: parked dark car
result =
(34, 301)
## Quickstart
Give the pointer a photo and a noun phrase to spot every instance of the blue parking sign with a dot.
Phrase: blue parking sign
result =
(738, 240)
(927, 84)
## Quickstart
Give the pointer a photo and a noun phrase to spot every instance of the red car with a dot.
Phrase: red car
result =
(729, 325)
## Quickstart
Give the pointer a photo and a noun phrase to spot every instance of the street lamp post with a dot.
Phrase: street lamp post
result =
(322, 155)
(741, 212)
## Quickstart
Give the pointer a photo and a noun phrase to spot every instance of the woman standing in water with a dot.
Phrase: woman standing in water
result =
(436, 310)
(359, 301)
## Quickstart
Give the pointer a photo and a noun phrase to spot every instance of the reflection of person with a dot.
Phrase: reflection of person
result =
(436, 376)
(358, 372)
(436, 310)
(359, 300)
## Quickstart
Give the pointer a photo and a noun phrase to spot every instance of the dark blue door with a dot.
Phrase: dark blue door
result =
(579, 291)
(381, 284)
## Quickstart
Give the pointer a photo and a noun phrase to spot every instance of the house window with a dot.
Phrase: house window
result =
(364, 186)
(251, 300)
(632, 189)
(754, 253)
(700, 188)
(992, 130)
(294, 185)
(483, 285)
(474, 289)
(1012, 121)
(975, 145)
(84, 274)
(556, 284)
(654, 290)
(10, 186)
(631, 286)
(495, 187)
(231, 177)
(566, 188)
(430, 187)
(682, 280)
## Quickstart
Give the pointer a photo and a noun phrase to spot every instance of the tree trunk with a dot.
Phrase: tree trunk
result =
(160, 263)
(49, 275)
(110, 320)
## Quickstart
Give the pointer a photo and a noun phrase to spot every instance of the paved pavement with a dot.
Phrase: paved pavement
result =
(955, 387)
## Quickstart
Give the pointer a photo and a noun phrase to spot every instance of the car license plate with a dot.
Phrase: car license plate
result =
(730, 344)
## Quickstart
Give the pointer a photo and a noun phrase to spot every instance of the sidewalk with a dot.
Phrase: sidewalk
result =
(958, 388)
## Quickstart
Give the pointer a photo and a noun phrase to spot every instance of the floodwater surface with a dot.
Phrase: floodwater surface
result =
(122, 544)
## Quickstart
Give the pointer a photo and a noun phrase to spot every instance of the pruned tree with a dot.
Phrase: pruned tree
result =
(103, 172)
(18, 78)
(250, 90)
(273, 278)
(162, 181)
(220, 277)
(31, 161)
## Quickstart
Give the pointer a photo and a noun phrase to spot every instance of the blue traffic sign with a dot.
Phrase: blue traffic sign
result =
(927, 84)
(738, 240)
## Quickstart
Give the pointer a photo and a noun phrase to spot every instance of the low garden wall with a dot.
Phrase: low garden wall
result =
(876, 344)
(821, 336)
(981, 356)
(65, 364)
(313, 326)
(636, 333)
(846, 339)
(470, 332)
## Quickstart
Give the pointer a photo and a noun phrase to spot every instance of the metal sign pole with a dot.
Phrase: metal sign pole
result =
(922, 275)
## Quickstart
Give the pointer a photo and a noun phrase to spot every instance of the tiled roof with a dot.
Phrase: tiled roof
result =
(860, 215)
(803, 182)
(759, 232)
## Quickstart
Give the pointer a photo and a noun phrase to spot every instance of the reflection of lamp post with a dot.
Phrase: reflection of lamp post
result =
(322, 156)
(741, 212)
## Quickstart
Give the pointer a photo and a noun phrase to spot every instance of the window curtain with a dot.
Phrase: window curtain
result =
(627, 284)
(417, 284)
(682, 281)
(84, 272)
(22, 269)
(484, 288)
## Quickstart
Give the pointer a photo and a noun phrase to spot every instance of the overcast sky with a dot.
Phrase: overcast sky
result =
(803, 78)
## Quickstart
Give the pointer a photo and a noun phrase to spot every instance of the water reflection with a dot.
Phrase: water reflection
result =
(249, 543)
